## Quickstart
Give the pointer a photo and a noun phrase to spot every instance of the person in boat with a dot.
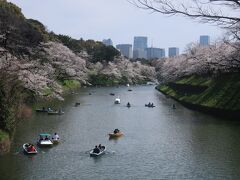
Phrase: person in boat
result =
(149, 104)
(55, 136)
(128, 104)
(96, 150)
(31, 148)
(152, 105)
(101, 147)
(41, 138)
(116, 131)
(46, 138)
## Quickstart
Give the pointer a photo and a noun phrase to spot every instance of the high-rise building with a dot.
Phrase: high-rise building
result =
(140, 42)
(139, 54)
(139, 47)
(125, 49)
(155, 53)
(204, 40)
(107, 42)
(173, 51)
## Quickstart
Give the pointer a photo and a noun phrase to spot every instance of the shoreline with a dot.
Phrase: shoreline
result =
(226, 113)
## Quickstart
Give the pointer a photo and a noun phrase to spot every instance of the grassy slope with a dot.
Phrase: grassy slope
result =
(222, 93)
(3, 136)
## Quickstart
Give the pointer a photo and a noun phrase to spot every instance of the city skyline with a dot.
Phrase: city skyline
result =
(104, 19)
(140, 47)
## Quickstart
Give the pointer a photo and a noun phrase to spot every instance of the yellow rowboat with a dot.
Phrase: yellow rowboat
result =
(115, 135)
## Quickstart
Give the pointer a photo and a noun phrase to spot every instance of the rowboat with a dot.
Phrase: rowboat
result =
(45, 142)
(147, 105)
(117, 101)
(115, 135)
(26, 150)
(102, 151)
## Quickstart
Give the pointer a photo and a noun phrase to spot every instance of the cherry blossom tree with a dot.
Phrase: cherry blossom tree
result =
(200, 60)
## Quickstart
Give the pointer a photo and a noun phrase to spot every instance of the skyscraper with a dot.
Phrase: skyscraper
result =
(204, 40)
(140, 42)
(173, 51)
(139, 53)
(155, 53)
(125, 49)
(139, 46)
(107, 42)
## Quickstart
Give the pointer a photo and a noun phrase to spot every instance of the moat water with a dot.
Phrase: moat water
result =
(158, 143)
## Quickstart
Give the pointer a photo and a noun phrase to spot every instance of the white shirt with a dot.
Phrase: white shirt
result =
(56, 136)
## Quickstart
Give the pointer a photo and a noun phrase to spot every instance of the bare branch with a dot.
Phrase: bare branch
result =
(204, 11)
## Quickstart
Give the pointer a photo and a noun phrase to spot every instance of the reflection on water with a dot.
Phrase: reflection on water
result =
(158, 143)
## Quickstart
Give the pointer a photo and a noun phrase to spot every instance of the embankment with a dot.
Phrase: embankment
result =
(4, 142)
(216, 95)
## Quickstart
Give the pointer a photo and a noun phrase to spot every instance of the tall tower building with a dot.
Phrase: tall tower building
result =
(125, 50)
(204, 40)
(139, 47)
(140, 42)
(173, 51)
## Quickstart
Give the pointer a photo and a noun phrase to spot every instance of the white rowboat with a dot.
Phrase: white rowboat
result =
(102, 151)
(25, 148)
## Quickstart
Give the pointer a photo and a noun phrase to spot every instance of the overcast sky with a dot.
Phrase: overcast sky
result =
(115, 19)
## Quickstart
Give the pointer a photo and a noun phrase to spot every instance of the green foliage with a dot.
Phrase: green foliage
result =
(73, 44)
(19, 32)
(71, 84)
(10, 7)
(11, 97)
(40, 28)
(124, 80)
(103, 80)
(3, 135)
(97, 50)
(104, 53)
